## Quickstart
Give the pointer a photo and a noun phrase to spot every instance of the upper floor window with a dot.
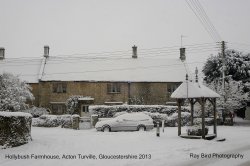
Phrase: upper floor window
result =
(172, 88)
(59, 87)
(114, 88)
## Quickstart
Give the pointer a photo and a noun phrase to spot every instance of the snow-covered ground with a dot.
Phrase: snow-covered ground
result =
(168, 149)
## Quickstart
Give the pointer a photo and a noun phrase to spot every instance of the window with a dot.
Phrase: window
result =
(172, 88)
(58, 109)
(85, 108)
(59, 87)
(114, 88)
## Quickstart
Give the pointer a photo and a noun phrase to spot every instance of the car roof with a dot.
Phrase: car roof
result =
(134, 116)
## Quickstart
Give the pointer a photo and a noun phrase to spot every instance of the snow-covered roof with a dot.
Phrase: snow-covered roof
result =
(193, 90)
(26, 69)
(95, 69)
(114, 69)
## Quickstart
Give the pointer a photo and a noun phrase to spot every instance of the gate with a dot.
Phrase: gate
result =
(85, 123)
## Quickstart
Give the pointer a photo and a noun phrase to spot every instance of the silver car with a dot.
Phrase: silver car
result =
(126, 122)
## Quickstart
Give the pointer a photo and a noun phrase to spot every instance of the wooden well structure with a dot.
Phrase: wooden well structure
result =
(193, 91)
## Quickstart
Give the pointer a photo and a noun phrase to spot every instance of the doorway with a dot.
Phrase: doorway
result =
(85, 110)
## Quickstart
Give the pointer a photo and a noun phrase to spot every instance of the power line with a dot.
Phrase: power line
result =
(201, 20)
(121, 69)
(156, 53)
(208, 21)
(200, 13)
(243, 47)
(82, 60)
(124, 52)
(238, 43)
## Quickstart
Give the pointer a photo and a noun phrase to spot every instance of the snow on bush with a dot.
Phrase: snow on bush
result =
(237, 73)
(54, 121)
(37, 111)
(172, 120)
(208, 121)
(104, 111)
(228, 121)
(15, 128)
(235, 95)
(13, 93)
(66, 121)
(72, 104)
(196, 130)
(47, 121)
(156, 112)
(237, 65)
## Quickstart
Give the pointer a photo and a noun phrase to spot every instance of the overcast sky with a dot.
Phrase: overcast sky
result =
(83, 26)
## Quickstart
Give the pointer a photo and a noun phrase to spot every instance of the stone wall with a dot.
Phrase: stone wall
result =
(247, 111)
(148, 93)
(15, 128)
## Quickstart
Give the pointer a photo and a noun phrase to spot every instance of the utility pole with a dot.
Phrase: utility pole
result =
(223, 68)
(223, 77)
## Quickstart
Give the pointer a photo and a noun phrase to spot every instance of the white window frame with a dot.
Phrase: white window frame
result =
(114, 88)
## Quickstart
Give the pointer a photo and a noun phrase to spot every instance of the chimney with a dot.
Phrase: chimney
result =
(46, 51)
(182, 54)
(196, 74)
(134, 52)
(2, 53)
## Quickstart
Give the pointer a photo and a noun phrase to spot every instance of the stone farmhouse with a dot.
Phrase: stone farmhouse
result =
(100, 80)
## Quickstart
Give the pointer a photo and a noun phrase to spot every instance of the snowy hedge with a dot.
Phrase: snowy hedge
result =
(53, 121)
(156, 112)
(104, 111)
(15, 128)
(196, 130)
(47, 121)
(37, 111)
(172, 121)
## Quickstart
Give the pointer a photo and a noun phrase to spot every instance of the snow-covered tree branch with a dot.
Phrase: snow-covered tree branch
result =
(72, 104)
(237, 66)
(237, 80)
(13, 93)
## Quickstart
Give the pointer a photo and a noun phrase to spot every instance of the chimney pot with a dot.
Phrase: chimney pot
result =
(182, 54)
(134, 52)
(2, 53)
(46, 51)
(196, 74)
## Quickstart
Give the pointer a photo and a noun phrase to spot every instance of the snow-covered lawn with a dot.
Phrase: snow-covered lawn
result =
(168, 149)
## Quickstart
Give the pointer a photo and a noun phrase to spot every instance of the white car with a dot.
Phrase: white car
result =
(126, 122)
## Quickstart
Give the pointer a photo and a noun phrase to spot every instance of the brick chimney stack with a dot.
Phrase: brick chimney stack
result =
(2, 53)
(134, 55)
(182, 54)
(46, 51)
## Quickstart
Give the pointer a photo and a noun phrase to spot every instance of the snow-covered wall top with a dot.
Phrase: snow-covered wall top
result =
(10, 114)
(115, 69)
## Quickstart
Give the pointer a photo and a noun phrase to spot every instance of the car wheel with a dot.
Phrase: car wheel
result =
(106, 129)
(141, 128)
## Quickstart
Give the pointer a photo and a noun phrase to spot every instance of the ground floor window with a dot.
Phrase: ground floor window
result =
(114, 87)
(58, 109)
